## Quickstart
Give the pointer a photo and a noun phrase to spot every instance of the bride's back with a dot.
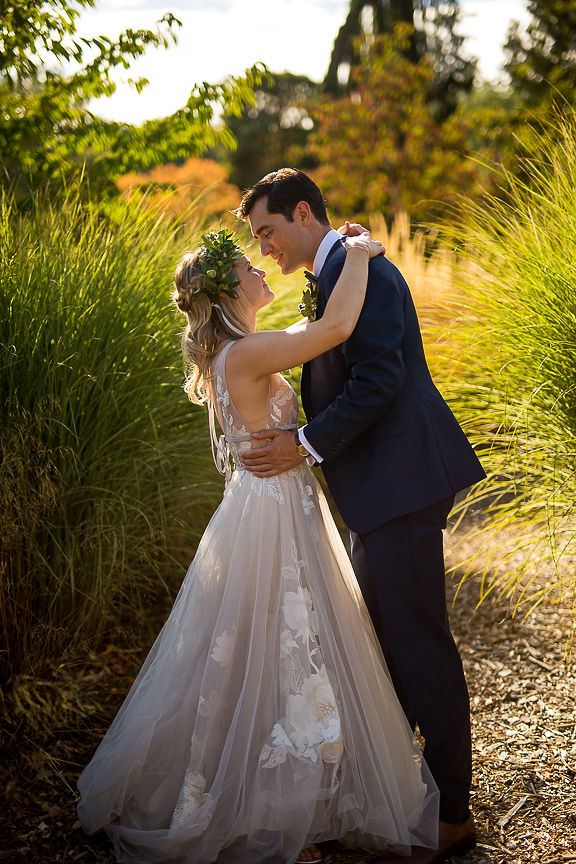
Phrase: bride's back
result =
(243, 404)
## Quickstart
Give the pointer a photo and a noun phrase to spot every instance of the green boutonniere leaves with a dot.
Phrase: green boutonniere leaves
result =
(309, 300)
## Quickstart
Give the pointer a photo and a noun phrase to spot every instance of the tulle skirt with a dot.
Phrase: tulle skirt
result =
(263, 718)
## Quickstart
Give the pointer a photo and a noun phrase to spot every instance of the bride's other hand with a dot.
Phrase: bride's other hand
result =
(351, 229)
(365, 242)
(354, 229)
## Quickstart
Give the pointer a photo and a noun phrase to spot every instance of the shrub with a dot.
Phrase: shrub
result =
(511, 362)
(104, 463)
(175, 188)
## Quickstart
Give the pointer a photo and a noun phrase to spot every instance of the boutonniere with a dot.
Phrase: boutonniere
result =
(309, 297)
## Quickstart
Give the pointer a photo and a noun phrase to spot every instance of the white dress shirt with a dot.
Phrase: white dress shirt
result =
(326, 244)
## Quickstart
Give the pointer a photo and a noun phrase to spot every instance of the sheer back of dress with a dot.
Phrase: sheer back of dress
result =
(282, 413)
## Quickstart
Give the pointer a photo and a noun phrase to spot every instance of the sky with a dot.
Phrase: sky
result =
(223, 37)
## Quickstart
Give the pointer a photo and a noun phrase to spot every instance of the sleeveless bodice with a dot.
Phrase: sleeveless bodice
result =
(282, 414)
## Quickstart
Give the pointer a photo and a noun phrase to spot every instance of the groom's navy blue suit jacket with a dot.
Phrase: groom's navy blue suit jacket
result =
(389, 441)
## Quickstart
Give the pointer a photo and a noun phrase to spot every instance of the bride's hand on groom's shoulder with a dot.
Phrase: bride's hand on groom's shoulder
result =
(351, 229)
(366, 243)
(354, 229)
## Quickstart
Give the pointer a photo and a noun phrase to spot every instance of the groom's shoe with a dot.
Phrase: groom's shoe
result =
(452, 840)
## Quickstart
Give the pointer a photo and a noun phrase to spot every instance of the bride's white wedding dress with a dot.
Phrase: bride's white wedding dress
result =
(263, 718)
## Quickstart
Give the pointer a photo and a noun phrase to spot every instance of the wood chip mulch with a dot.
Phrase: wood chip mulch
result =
(523, 693)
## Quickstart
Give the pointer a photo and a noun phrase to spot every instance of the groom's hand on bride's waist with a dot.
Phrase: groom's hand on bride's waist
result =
(277, 454)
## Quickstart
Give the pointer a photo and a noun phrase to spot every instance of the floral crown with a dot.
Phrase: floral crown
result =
(216, 263)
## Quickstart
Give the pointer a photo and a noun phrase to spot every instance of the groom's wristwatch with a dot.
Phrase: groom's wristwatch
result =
(303, 451)
(301, 448)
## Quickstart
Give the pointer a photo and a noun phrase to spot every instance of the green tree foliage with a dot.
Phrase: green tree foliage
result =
(434, 35)
(365, 18)
(506, 125)
(380, 147)
(542, 61)
(453, 72)
(29, 27)
(46, 129)
(269, 130)
(498, 132)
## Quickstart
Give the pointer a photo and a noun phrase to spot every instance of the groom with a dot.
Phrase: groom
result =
(393, 456)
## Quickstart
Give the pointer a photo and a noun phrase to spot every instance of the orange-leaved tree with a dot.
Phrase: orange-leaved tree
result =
(380, 148)
(201, 184)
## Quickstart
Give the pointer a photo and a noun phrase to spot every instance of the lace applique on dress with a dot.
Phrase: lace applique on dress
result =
(223, 403)
(311, 729)
(224, 648)
(279, 399)
(208, 706)
(190, 799)
(307, 495)
(222, 451)
(270, 486)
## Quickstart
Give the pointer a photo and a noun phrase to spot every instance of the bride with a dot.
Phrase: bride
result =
(263, 721)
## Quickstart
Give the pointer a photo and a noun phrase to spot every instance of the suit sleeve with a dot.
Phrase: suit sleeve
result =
(373, 355)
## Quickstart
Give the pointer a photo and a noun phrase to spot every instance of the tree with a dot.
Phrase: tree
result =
(46, 130)
(175, 188)
(270, 129)
(453, 72)
(380, 147)
(496, 126)
(434, 34)
(542, 61)
(365, 19)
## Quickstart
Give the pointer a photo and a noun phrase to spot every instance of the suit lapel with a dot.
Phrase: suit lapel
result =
(321, 284)
(337, 245)
(305, 377)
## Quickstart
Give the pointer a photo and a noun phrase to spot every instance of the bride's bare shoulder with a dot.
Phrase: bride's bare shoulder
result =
(242, 360)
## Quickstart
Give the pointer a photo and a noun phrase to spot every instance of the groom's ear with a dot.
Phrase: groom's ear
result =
(302, 214)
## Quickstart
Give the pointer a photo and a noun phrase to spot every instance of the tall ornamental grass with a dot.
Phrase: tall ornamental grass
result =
(510, 370)
(104, 464)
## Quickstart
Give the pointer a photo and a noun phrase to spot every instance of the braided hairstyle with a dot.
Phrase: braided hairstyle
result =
(206, 329)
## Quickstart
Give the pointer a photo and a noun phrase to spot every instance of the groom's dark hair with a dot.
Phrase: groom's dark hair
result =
(283, 190)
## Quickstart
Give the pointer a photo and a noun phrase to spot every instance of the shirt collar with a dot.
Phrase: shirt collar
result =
(326, 244)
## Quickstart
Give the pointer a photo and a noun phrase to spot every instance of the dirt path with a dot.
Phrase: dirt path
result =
(524, 727)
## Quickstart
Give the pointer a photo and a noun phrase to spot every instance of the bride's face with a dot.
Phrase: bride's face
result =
(253, 288)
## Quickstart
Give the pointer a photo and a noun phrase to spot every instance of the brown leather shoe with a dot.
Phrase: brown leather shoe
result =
(452, 840)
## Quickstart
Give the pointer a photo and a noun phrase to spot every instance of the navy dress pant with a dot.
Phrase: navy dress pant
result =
(400, 569)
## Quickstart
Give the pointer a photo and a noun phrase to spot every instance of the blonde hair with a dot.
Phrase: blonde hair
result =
(206, 330)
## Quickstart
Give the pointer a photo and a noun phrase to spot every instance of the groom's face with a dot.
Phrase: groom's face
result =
(286, 242)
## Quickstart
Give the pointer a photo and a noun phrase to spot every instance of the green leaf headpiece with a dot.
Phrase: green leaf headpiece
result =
(216, 263)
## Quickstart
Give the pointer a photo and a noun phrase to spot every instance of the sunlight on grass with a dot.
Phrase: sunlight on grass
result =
(428, 272)
(510, 364)
(105, 464)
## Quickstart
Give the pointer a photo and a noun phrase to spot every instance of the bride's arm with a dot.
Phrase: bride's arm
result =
(261, 354)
